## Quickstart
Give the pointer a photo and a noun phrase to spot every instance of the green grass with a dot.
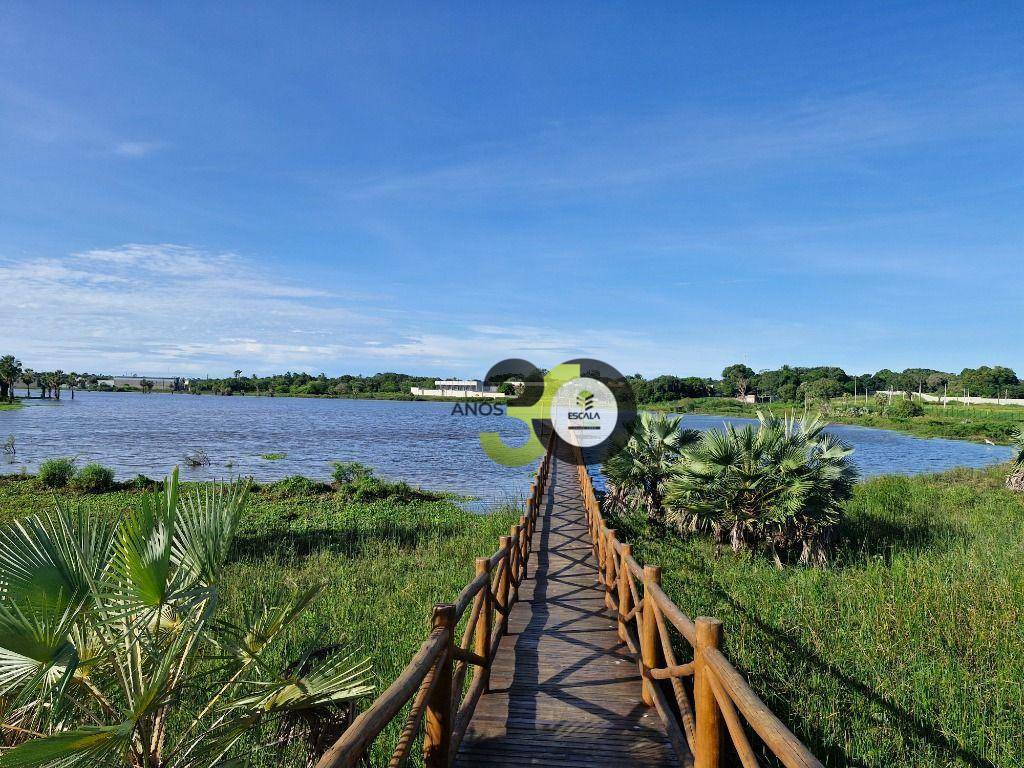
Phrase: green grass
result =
(273, 456)
(979, 423)
(907, 651)
(5, 406)
(386, 561)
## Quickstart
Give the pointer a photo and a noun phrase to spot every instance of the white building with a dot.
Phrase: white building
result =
(459, 388)
(169, 383)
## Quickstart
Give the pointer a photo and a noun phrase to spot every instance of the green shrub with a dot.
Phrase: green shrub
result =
(273, 456)
(367, 488)
(348, 471)
(142, 483)
(901, 408)
(294, 486)
(93, 478)
(56, 473)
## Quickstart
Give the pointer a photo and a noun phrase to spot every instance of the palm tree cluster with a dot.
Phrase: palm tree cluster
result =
(780, 486)
(49, 382)
(113, 651)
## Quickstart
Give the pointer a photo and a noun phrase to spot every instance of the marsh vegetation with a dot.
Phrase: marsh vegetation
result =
(377, 556)
(905, 650)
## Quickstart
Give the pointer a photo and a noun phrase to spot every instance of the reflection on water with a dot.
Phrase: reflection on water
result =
(422, 443)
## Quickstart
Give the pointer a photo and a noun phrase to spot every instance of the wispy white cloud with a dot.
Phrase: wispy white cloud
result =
(153, 306)
(137, 148)
(618, 153)
(176, 309)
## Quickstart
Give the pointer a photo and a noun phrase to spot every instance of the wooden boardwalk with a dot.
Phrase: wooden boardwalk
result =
(564, 691)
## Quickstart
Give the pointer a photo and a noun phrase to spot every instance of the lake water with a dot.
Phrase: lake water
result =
(420, 442)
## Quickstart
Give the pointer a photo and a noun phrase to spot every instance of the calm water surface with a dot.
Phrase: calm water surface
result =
(419, 442)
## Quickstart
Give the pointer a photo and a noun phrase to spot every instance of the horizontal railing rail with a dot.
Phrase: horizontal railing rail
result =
(434, 680)
(722, 701)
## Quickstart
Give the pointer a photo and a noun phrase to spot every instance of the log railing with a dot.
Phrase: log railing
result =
(721, 702)
(434, 681)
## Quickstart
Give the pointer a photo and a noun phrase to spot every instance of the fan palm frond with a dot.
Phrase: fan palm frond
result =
(781, 484)
(109, 628)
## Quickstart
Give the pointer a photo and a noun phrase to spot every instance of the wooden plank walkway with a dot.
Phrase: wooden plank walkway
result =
(564, 690)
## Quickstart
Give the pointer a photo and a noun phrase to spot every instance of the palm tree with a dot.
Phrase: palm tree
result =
(27, 377)
(10, 370)
(635, 476)
(781, 485)
(57, 379)
(113, 650)
(1015, 480)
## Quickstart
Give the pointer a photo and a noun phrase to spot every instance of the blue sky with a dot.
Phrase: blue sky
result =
(431, 187)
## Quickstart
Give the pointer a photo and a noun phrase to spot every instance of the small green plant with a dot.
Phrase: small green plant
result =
(56, 473)
(346, 472)
(93, 478)
(273, 456)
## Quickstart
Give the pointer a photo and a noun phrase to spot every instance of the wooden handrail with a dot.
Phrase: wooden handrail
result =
(433, 680)
(357, 737)
(721, 696)
(776, 736)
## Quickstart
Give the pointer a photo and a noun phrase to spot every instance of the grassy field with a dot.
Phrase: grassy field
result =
(907, 652)
(5, 406)
(387, 562)
(996, 423)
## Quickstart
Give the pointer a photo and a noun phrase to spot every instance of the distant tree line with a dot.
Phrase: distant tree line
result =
(44, 384)
(795, 383)
(788, 383)
(305, 384)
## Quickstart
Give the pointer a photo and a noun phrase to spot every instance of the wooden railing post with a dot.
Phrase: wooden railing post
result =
(524, 551)
(503, 581)
(625, 596)
(649, 650)
(437, 731)
(609, 568)
(485, 621)
(709, 716)
(515, 534)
